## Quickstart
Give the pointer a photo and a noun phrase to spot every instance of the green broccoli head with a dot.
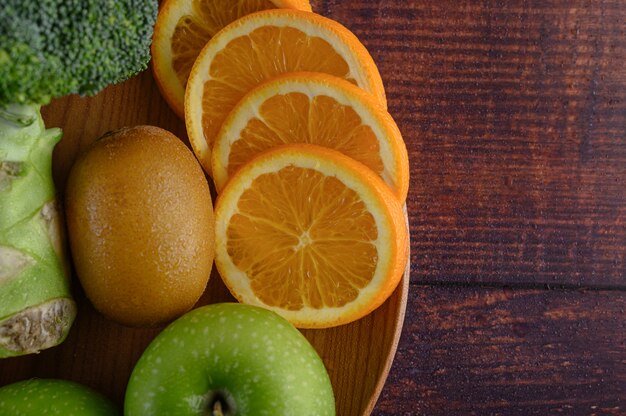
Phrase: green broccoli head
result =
(52, 48)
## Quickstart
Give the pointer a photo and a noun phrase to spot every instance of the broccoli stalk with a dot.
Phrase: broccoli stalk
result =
(48, 49)
(35, 303)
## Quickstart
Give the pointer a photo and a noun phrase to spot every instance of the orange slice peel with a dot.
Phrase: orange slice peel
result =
(311, 234)
(182, 29)
(313, 108)
(258, 47)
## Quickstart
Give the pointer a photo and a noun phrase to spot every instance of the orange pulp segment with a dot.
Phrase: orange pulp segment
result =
(311, 234)
(258, 47)
(312, 108)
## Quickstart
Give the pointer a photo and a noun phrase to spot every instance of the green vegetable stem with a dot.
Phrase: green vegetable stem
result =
(36, 310)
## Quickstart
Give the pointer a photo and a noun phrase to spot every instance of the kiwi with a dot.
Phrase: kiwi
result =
(140, 224)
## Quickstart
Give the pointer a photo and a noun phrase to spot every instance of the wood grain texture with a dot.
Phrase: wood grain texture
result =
(514, 114)
(481, 351)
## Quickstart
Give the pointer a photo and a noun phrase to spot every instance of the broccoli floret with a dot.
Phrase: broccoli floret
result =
(52, 48)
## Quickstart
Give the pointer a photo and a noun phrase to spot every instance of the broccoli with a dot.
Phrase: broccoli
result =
(48, 49)
(52, 48)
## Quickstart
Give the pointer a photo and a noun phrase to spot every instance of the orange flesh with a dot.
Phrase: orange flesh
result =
(262, 54)
(303, 239)
(296, 118)
(194, 31)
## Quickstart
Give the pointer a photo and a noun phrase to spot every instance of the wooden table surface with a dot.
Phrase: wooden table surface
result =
(514, 115)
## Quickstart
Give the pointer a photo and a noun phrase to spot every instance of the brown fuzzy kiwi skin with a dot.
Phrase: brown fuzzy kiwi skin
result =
(141, 227)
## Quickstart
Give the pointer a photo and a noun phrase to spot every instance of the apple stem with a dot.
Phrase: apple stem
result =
(220, 403)
(217, 409)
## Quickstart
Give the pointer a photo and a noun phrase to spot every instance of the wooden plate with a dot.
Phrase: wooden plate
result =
(101, 354)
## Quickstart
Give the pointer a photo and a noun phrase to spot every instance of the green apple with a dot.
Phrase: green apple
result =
(53, 397)
(230, 359)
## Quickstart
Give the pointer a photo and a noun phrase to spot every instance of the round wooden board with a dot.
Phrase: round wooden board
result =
(101, 354)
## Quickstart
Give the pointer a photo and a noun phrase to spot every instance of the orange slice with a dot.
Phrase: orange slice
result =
(311, 234)
(312, 108)
(258, 47)
(182, 29)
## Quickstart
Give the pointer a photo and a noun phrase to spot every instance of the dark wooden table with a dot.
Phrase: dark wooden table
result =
(514, 115)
